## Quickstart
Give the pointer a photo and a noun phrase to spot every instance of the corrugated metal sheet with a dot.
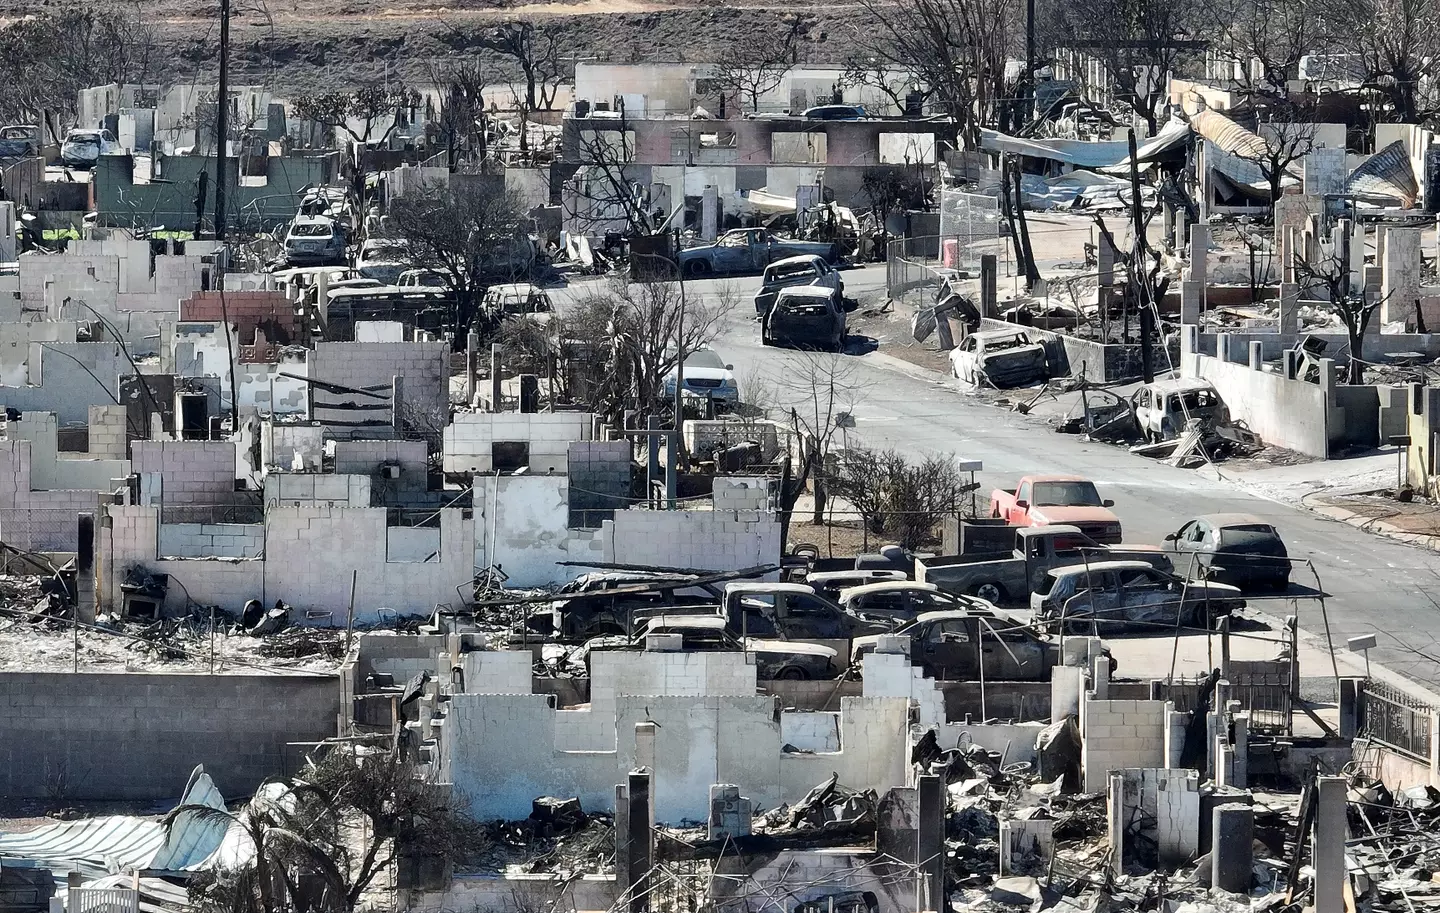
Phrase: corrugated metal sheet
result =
(95, 846)
(1111, 154)
(1228, 135)
(1387, 173)
(120, 843)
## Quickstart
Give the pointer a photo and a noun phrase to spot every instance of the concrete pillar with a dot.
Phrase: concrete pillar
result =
(1115, 819)
(1323, 171)
(1067, 686)
(730, 812)
(645, 745)
(1352, 691)
(1289, 310)
(989, 298)
(1105, 261)
(397, 404)
(1257, 357)
(494, 377)
(634, 839)
(1290, 364)
(710, 213)
(1100, 677)
(1182, 227)
(1215, 725)
(1289, 248)
(1222, 348)
(1400, 275)
(9, 249)
(1232, 848)
(1176, 724)
(472, 365)
(85, 568)
(1199, 251)
(1240, 744)
(1192, 302)
(930, 840)
(1224, 754)
(1357, 253)
(1329, 836)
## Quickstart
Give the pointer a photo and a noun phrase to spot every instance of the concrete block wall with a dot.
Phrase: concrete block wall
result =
(191, 472)
(1120, 734)
(713, 540)
(39, 520)
(497, 671)
(502, 750)
(893, 675)
(425, 392)
(212, 540)
(741, 493)
(1170, 798)
(132, 540)
(469, 437)
(600, 480)
(107, 432)
(67, 378)
(811, 730)
(311, 489)
(366, 458)
(281, 442)
(520, 524)
(51, 470)
(311, 552)
(617, 673)
(15, 351)
(1285, 413)
(269, 311)
(138, 736)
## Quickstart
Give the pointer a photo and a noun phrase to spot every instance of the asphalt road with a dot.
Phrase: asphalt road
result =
(1377, 585)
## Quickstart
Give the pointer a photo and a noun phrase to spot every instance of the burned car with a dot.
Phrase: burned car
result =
(750, 250)
(806, 317)
(953, 645)
(1162, 408)
(1000, 358)
(808, 270)
(1118, 595)
(774, 659)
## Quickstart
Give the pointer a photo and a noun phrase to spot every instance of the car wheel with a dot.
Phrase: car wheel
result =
(988, 590)
(697, 269)
(793, 674)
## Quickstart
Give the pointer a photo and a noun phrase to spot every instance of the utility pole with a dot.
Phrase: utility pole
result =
(222, 120)
(1027, 106)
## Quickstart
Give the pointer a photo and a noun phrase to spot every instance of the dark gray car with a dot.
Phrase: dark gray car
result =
(1239, 549)
(806, 317)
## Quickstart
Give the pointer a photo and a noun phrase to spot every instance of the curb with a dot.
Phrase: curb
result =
(1374, 525)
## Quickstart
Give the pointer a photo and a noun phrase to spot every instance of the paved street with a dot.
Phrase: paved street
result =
(1377, 585)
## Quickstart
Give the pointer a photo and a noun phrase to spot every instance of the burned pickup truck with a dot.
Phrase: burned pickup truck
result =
(1010, 579)
(999, 358)
(750, 250)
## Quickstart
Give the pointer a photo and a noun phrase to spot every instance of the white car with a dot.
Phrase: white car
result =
(999, 358)
(708, 377)
(382, 259)
(83, 148)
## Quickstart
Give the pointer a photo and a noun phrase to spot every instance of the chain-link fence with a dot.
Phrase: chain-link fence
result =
(970, 226)
(912, 265)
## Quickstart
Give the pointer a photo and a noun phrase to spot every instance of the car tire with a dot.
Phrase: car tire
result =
(697, 269)
(989, 590)
(792, 674)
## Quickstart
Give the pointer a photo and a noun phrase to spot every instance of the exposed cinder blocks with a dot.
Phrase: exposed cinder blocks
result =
(425, 396)
(132, 736)
(548, 436)
(600, 480)
(1118, 735)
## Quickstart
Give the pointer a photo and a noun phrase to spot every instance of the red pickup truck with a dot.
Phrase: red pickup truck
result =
(1055, 499)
